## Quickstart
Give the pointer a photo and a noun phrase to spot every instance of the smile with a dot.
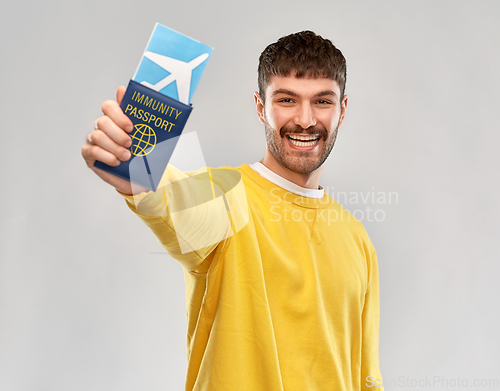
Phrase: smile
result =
(306, 141)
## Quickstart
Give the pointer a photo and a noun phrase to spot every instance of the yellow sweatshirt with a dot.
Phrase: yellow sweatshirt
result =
(281, 290)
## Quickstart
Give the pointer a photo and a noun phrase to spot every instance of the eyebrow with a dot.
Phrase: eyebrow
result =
(291, 93)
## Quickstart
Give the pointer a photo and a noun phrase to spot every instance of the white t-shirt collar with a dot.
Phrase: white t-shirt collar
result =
(271, 176)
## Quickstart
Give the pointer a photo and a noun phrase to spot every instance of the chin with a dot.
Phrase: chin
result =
(304, 166)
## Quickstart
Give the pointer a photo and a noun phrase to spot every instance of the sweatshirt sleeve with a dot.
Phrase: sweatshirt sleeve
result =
(371, 378)
(191, 213)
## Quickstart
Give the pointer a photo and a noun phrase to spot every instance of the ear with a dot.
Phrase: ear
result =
(343, 109)
(259, 106)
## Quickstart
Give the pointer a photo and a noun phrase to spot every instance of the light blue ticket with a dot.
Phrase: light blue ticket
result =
(172, 64)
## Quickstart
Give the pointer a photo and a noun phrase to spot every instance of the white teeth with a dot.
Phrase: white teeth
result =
(305, 138)
(305, 141)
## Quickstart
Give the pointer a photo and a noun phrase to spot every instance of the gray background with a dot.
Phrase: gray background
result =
(88, 301)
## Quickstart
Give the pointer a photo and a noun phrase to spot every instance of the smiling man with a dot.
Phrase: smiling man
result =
(282, 286)
(301, 120)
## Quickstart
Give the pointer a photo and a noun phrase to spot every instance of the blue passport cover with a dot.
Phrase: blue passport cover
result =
(158, 122)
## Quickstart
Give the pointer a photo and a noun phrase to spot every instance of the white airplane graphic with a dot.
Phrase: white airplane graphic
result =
(180, 72)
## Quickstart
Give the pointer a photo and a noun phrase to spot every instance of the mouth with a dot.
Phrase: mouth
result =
(306, 141)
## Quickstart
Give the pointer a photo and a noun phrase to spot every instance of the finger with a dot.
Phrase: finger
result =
(86, 153)
(91, 153)
(120, 92)
(113, 131)
(89, 135)
(103, 141)
(112, 110)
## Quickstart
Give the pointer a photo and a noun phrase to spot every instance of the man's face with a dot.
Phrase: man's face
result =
(301, 118)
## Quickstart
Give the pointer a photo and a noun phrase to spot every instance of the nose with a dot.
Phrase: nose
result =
(305, 116)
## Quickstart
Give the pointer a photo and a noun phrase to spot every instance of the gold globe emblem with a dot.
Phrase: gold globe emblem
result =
(143, 140)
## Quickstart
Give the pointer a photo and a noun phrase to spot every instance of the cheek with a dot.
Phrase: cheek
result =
(330, 121)
(274, 118)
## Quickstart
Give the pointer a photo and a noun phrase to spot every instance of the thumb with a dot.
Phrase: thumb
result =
(120, 92)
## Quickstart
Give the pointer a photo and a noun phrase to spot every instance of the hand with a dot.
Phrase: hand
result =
(108, 143)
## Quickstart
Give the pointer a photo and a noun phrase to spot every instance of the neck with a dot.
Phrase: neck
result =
(309, 181)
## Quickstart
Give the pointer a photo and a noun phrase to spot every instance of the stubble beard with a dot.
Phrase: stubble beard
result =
(300, 162)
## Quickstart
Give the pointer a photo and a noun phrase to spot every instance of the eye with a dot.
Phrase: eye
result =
(285, 100)
(324, 102)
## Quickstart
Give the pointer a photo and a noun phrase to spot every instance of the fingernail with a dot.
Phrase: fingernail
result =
(128, 143)
(126, 155)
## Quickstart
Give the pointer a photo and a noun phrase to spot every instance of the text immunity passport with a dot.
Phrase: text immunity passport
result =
(157, 101)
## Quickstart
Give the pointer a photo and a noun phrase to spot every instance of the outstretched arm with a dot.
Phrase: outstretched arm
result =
(193, 213)
(190, 213)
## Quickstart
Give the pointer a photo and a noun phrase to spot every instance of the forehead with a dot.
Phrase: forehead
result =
(303, 86)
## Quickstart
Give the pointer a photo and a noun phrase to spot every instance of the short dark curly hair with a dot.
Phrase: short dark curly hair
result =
(305, 53)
